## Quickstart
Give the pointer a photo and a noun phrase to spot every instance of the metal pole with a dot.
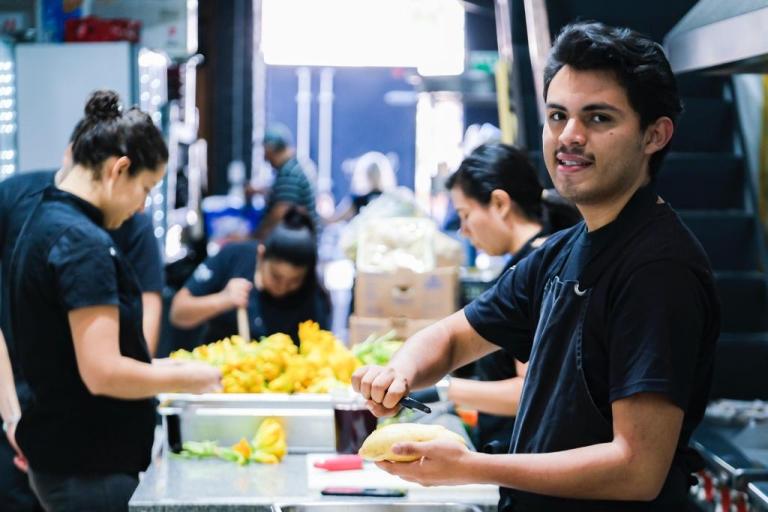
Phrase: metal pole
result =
(237, 81)
(258, 168)
(325, 121)
(507, 82)
(303, 113)
(539, 44)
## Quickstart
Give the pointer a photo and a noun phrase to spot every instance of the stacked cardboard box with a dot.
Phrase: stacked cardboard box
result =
(402, 300)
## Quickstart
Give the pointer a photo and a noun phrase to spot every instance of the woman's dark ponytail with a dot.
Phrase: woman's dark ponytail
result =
(107, 131)
(293, 240)
(499, 167)
(103, 106)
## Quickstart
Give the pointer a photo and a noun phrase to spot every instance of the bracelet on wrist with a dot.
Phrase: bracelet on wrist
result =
(442, 388)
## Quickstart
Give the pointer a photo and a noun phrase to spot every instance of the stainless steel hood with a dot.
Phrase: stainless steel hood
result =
(721, 37)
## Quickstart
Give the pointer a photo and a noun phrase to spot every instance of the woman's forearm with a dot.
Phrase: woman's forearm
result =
(152, 309)
(9, 401)
(95, 334)
(129, 379)
(500, 397)
(189, 311)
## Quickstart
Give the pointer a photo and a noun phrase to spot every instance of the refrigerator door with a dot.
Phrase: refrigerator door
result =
(54, 82)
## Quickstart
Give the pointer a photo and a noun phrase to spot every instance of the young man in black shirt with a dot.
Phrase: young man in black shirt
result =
(621, 308)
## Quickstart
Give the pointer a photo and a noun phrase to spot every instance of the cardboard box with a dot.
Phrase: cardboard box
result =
(407, 294)
(361, 327)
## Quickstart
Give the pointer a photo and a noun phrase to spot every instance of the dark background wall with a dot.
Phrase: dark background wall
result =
(362, 120)
(225, 85)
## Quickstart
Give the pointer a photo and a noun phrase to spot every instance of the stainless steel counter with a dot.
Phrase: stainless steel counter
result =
(174, 484)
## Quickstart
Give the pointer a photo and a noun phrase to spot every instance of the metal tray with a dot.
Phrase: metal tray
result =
(368, 506)
(228, 417)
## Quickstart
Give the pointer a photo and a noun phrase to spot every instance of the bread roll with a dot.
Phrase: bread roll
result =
(378, 445)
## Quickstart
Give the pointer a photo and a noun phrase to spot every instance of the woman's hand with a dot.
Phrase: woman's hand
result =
(235, 294)
(199, 377)
(19, 460)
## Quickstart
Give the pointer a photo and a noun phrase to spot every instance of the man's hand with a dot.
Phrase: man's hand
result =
(20, 461)
(383, 387)
(440, 463)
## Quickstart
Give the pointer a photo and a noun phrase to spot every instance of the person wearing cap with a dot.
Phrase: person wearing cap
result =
(291, 187)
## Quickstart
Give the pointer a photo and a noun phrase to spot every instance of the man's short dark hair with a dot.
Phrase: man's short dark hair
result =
(638, 63)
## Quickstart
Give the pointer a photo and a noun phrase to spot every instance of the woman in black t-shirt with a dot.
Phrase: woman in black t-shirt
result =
(501, 205)
(77, 319)
(275, 281)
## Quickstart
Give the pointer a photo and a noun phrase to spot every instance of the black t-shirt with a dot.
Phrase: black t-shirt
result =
(19, 194)
(652, 320)
(136, 238)
(267, 315)
(65, 261)
(494, 432)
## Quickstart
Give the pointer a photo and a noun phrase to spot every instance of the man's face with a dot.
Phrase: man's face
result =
(593, 145)
(269, 154)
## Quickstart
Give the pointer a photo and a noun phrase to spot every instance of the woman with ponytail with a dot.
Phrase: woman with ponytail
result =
(504, 211)
(274, 280)
(77, 317)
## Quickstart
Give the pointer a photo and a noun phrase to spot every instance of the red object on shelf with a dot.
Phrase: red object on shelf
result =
(725, 497)
(709, 488)
(741, 503)
(341, 463)
(93, 29)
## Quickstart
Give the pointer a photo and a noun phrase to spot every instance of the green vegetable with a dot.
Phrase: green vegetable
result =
(377, 350)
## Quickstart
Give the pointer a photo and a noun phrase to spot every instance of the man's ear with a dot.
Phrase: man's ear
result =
(658, 135)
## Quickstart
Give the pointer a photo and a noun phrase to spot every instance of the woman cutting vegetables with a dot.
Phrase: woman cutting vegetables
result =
(76, 306)
(274, 281)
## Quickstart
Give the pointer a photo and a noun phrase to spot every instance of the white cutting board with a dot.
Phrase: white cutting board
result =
(371, 476)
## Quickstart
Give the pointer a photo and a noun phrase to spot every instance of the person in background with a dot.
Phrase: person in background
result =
(291, 186)
(372, 175)
(77, 320)
(274, 279)
(499, 200)
(135, 238)
(617, 316)
(351, 206)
